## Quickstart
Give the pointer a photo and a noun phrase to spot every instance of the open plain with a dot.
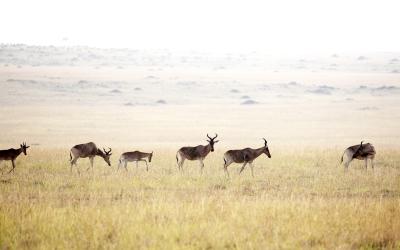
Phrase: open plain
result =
(308, 108)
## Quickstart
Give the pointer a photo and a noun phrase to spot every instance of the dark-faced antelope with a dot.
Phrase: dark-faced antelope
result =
(360, 152)
(246, 155)
(134, 156)
(11, 154)
(88, 150)
(195, 153)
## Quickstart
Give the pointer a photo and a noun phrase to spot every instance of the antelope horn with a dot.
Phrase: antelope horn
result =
(265, 142)
(215, 136)
(361, 144)
(209, 137)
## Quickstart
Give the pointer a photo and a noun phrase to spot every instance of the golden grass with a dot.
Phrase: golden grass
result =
(296, 200)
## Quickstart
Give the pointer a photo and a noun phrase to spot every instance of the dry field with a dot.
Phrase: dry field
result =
(296, 200)
(309, 108)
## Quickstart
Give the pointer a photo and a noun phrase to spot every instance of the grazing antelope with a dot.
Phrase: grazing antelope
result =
(360, 152)
(134, 156)
(88, 150)
(195, 153)
(12, 153)
(246, 155)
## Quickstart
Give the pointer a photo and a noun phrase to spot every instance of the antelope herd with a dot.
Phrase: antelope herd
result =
(246, 156)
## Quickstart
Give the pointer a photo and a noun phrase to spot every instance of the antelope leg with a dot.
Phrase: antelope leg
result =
(251, 167)
(13, 166)
(91, 164)
(147, 166)
(346, 164)
(201, 165)
(180, 164)
(226, 164)
(73, 162)
(226, 170)
(242, 167)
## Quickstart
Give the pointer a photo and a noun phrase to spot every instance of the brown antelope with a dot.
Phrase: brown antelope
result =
(246, 155)
(12, 153)
(134, 156)
(88, 150)
(195, 153)
(360, 152)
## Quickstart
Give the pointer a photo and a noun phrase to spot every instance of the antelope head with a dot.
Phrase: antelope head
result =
(266, 150)
(24, 147)
(212, 142)
(106, 156)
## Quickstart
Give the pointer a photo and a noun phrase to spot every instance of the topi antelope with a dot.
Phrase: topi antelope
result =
(12, 153)
(134, 156)
(88, 150)
(195, 153)
(360, 152)
(246, 155)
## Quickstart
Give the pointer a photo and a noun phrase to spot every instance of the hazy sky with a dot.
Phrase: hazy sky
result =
(281, 26)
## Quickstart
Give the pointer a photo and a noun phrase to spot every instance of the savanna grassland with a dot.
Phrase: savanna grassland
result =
(309, 108)
(295, 200)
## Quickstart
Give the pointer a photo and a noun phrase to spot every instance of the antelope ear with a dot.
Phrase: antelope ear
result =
(27, 146)
(208, 140)
(216, 141)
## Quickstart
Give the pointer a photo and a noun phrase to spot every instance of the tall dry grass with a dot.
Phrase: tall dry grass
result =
(296, 200)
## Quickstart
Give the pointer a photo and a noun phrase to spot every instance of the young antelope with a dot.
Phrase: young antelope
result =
(134, 156)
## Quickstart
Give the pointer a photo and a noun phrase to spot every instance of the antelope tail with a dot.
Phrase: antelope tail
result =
(224, 161)
(341, 159)
(177, 160)
(70, 156)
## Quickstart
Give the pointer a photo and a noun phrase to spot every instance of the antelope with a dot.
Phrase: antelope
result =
(134, 156)
(88, 150)
(360, 152)
(246, 155)
(195, 153)
(12, 153)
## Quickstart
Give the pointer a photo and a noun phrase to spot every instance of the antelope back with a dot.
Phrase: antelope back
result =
(85, 149)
